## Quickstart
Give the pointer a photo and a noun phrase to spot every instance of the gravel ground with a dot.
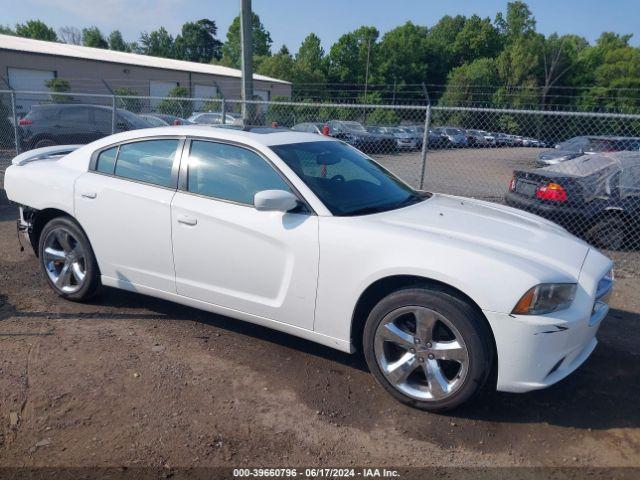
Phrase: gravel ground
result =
(128, 380)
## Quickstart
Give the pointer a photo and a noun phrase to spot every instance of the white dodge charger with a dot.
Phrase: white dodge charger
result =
(307, 235)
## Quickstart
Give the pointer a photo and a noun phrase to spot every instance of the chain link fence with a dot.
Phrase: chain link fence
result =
(581, 170)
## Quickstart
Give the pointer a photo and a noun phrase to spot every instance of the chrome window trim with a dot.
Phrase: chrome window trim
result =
(93, 163)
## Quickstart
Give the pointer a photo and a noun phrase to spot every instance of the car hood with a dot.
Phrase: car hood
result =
(557, 153)
(495, 227)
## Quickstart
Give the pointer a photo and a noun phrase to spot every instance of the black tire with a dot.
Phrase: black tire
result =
(609, 233)
(91, 282)
(470, 325)
(44, 142)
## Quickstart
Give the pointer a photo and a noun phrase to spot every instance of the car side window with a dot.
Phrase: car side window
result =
(107, 160)
(228, 172)
(147, 161)
(75, 115)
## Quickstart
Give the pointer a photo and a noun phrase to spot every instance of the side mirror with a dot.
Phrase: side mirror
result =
(275, 201)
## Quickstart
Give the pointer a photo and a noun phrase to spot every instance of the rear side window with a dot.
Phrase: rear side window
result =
(148, 161)
(229, 173)
(76, 115)
(107, 160)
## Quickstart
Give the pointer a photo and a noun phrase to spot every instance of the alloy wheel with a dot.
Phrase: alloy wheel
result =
(64, 260)
(421, 353)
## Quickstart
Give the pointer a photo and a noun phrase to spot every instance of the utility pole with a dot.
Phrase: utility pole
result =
(246, 42)
(366, 76)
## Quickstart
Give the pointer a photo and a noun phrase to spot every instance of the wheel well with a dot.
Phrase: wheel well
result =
(39, 220)
(381, 288)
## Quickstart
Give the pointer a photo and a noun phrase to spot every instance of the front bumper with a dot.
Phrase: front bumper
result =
(536, 351)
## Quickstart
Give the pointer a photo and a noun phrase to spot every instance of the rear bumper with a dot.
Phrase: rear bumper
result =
(536, 351)
(566, 216)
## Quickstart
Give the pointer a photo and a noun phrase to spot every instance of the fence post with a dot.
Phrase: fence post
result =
(425, 145)
(113, 114)
(16, 138)
(223, 108)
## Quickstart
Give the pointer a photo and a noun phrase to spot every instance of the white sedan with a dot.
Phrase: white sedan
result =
(307, 235)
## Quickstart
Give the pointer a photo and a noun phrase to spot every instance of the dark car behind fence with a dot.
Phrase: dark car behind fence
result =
(495, 155)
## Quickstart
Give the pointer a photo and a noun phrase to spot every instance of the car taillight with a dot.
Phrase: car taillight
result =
(25, 121)
(512, 184)
(553, 192)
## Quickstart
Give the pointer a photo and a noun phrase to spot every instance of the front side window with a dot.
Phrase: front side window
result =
(228, 172)
(148, 161)
(344, 179)
(75, 115)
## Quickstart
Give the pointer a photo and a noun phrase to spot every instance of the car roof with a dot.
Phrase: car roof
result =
(258, 135)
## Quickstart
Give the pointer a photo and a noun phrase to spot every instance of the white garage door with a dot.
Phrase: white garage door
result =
(160, 89)
(203, 91)
(29, 80)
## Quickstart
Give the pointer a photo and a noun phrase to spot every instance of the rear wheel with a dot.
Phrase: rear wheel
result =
(67, 260)
(609, 233)
(45, 142)
(427, 348)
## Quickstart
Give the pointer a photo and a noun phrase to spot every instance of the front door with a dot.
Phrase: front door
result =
(228, 253)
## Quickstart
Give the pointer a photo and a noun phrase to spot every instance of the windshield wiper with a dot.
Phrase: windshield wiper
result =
(412, 199)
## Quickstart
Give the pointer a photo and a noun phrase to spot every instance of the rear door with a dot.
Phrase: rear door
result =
(124, 206)
(228, 253)
(75, 125)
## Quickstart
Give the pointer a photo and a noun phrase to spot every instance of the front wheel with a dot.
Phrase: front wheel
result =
(67, 259)
(428, 348)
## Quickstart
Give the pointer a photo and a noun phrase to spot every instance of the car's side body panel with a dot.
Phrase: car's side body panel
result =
(261, 263)
(129, 226)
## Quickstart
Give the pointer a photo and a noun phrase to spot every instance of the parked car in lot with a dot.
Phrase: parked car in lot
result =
(304, 234)
(355, 134)
(67, 123)
(504, 140)
(577, 146)
(388, 140)
(478, 138)
(311, 127)
(400, 138)
(215, 118)
(453, 136)
(163, 119)
(597, 196)
(532, 142)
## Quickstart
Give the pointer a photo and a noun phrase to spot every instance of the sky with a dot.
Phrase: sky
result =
(289, 21)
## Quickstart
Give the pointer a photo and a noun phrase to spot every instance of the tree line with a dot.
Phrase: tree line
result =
(469, 61)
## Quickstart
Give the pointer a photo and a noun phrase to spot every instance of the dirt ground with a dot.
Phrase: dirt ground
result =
(128, 380)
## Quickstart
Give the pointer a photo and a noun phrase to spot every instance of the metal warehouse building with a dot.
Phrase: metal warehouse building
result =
(26, 64)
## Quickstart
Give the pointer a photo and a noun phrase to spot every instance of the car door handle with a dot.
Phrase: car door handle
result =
(90, 195)
(187, 220)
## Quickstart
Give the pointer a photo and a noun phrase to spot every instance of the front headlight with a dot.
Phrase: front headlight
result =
(546, 298)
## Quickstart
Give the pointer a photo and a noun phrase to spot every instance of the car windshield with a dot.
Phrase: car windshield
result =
(354, 126)
(134, 120)
(345, 180)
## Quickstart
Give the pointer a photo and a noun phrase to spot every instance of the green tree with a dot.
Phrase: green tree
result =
(349, 56)
(231, 50)
(92, 37)
(280, 65)
(59, 85)
(116, 42)
(403, 52)
(173, 105)
(36, 29)
(158, 43)
(560, 58)
(478, 38)
(6, 30)
(197, 42)
(519, 21)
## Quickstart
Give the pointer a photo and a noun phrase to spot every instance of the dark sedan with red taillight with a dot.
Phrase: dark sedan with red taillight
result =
(596, 196)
